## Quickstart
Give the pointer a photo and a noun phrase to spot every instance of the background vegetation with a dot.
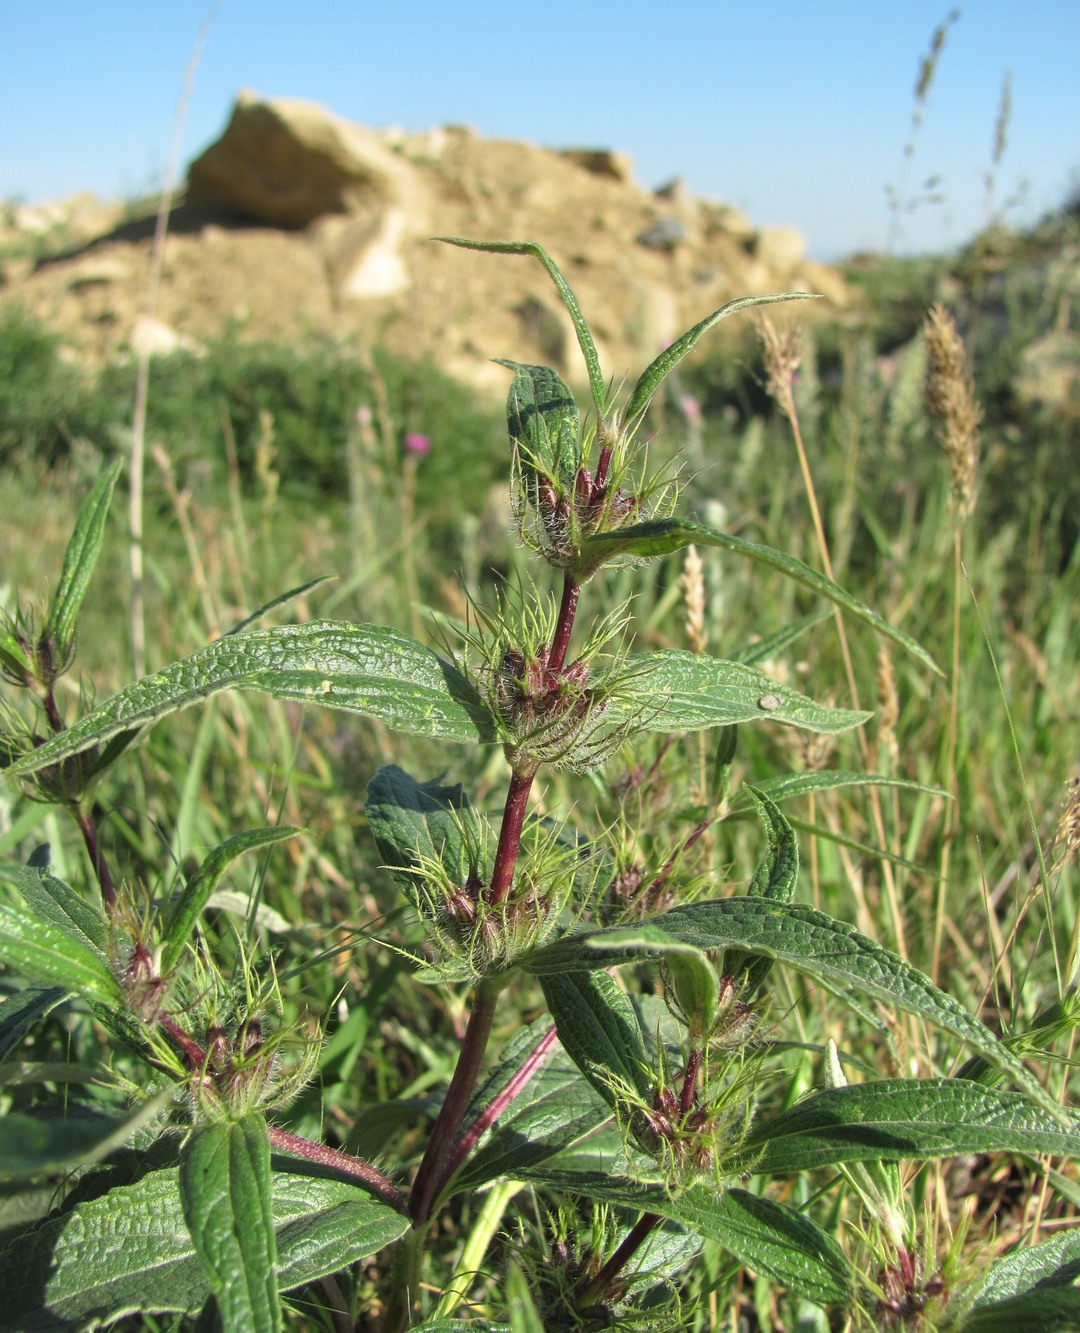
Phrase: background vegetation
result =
(273, 466)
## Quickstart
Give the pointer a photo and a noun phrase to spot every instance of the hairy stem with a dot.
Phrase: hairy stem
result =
(690, 1078)
(498, 1105)
(506, 854)
(351, 1166)
(602, 1283)
(560, 644)
(88, 829)
(432, 1173)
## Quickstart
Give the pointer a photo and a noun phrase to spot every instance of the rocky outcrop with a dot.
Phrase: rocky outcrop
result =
(297, 221)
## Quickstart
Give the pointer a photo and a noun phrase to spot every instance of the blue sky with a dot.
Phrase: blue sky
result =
(796, 111)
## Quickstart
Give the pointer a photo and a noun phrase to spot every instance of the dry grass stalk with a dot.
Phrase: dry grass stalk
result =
(1067, 837)
(888, 708)
(781, 352)
(950, 395)
(692, 582)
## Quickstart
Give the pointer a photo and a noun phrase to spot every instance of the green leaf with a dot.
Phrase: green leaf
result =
(787, 785)
(654, 375)
(895, 1119)
(774, 879)
(555, 1109)
(598, 1029)
(367, 669)
(662, 536)
(831, 951)
(13, 657)
(545, 425)
(200, 888)
(80, 558)
(45, 953)
(415, 821)
(764, 1236)
(19, 1012)
(34, 1145)
(1056, 1310)
(1053, 1263)
(569, 300)
(129, 1250)
(225, 1192)
(676, 690)
(50, 899)
(524, 1316)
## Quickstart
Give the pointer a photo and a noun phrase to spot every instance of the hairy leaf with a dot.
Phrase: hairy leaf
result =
(367, 669)
(200, 888)
(654, 375)
(545, 425)
(569, 300)
(598, 1029)
(20, 1011)
(420, 821)
(33, 1145)
(775, 879)
(1053, 1310)
(765, 1236)
(225, 1193)
(682, 691)
(80, 558)
(129, 1249)
(553, 1111)
(831, 951)
(661, 536)
(896, 1119)
(46, 953)
(1053, 1263)
(50, 899)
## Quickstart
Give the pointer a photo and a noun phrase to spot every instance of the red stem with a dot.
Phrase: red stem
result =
(686, 1096)
(340, 1161)
(601, 1283)
(88, 829)
(432, 1173)
(498, 1105)
(560, 644)
(517, 801)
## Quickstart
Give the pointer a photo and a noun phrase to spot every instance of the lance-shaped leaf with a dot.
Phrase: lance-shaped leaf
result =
(896, 1119)
(832, 952)
(676, 690)
(775, 879)
(569, 300)
(764, 1236)
(79, 560)
(599, 1030)
(1053, 1263)
(787, 785)
(225, 1193)
(130, 1250)
(33, 1145)
(52, 900)
(662, 536)
(545, 425)
(655, 374)
(45, 953)
(555, 1109)
(200, 888)
(1050, 1310)
(19, 1012)
(367, 669)
(413, 822)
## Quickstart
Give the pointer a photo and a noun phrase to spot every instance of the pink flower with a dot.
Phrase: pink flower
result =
(690, 407)
(416, 444)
